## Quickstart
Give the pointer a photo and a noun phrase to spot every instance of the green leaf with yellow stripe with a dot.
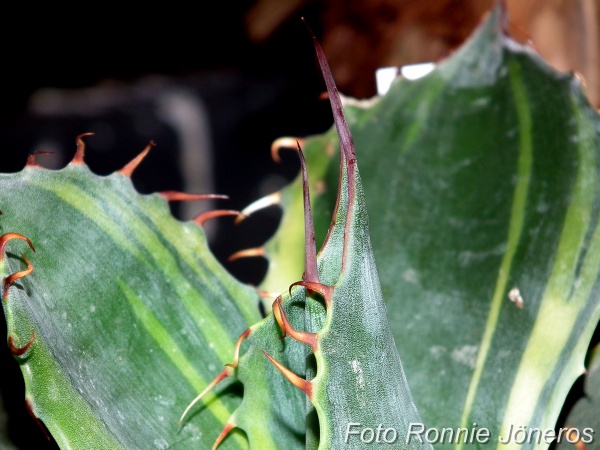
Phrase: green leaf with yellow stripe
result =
(481, 182)
(482, 185)
(125, 317)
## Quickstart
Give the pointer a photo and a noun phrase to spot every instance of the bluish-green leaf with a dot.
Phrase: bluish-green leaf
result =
(481, 182)
(131, 314)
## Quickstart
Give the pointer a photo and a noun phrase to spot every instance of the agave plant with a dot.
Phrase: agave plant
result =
(478, 269)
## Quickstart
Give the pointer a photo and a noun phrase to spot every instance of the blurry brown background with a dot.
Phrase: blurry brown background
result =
(360, 36)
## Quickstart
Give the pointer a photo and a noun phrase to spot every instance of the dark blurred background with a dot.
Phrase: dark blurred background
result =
(214, 85)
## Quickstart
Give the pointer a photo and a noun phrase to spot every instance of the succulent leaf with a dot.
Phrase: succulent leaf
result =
(356, 379)
(483, 181)
(583, 419)
(359, 377)
(125, 316)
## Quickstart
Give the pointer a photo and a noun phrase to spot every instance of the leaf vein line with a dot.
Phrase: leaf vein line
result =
(515, 229)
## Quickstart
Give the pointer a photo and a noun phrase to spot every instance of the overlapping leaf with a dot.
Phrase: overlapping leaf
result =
(131, 315)
(350, 368)
(481, 182)
(583, 420)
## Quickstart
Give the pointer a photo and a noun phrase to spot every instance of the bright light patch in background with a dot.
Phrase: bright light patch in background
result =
(385, 75)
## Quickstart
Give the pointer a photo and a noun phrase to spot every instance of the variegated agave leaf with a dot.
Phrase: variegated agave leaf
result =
(484, 178)
(354, 378)
(126, 315)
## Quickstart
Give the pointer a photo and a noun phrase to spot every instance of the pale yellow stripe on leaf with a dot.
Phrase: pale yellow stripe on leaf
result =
(101, 214)
(164, 340)
(515, 230)
(558, 311)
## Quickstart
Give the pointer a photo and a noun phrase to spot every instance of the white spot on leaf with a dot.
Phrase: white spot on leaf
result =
(357, 369)
(466, 355)
(514, 296)
(165, 401)
(161, 444)
(437, 351)
(410, 276)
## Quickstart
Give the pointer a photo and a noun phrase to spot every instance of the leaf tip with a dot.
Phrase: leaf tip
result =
(79, 156)
(502, 8)
(5, 238)
(283, 143)
(9, 280)
(247, 253)
(220, 377)
(176, 196)
(264, 202)
(19, 351)
(31, 162)
(325, 291)
(130, 167)
(299, 382)
(230, 425)
(309, 339)
(202, 218)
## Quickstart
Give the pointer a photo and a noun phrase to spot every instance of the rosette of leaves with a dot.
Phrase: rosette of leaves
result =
(481, 184)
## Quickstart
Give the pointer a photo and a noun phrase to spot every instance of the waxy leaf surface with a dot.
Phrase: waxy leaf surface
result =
(481, 181)
(131, 314)
(352, 374)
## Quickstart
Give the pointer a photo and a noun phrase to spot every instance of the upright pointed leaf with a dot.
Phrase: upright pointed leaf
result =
(350, 370)
(481, 180)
